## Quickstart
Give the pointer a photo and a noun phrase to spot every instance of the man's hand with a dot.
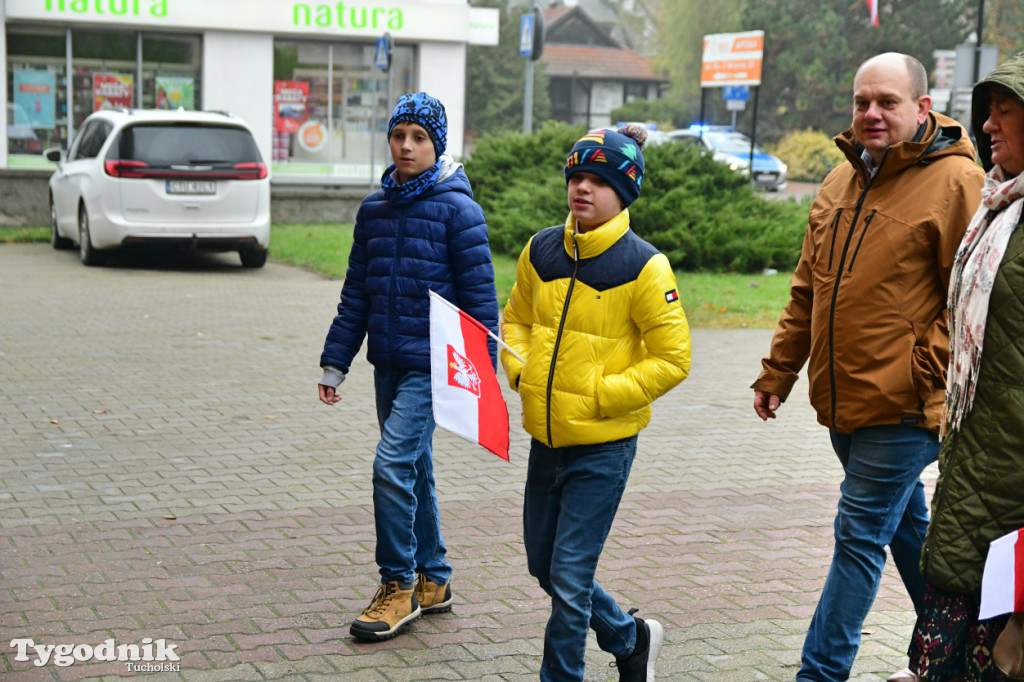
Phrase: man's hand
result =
(765, 404)
(328, 395)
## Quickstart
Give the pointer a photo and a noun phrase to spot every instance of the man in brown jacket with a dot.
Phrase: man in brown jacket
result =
(867, 313)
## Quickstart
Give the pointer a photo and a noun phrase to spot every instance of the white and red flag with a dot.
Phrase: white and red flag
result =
(873, 11)
(1002, 584)
(467, 397)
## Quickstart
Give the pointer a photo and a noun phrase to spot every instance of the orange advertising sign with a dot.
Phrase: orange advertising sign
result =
(732, 59)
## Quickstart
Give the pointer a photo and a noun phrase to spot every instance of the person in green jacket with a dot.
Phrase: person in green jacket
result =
(979, 495)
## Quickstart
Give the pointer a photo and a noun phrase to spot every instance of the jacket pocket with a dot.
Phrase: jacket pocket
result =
(596, 389)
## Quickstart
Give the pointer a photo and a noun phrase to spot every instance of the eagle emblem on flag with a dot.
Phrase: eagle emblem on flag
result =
(462, 372)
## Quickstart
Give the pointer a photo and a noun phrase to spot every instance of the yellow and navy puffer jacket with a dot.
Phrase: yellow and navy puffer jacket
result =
(597, 318)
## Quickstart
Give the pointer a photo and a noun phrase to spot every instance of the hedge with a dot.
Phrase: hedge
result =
(696, 211)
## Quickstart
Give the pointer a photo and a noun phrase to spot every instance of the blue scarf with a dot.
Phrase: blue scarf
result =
(410, 190)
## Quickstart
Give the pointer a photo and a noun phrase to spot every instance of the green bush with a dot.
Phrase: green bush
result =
(810, 154)
(518, 180)
(695, 210)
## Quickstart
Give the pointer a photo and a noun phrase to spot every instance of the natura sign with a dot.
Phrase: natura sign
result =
(404, 19)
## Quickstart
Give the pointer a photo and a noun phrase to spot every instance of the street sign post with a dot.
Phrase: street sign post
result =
(531, 45)
(732, 59)
(382, 57)
(382, 62)
(526, 35)
(736, 92)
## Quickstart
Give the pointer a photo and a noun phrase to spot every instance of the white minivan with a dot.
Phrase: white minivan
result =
(187, 178)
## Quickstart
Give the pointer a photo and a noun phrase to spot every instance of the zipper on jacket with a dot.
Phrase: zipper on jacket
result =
(835, 230)
(867, 223)
(399, 238)
(835, 292)
(558, 337)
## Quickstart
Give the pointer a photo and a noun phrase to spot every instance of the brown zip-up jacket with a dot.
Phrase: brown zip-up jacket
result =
(867, 309)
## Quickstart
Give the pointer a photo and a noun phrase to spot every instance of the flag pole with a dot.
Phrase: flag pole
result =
(491, 334)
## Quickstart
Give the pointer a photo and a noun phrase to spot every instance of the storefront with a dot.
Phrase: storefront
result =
(316, 82)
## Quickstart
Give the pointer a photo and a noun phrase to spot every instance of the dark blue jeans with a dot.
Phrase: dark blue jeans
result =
(405, 511)
(882, 503)
(572, 494)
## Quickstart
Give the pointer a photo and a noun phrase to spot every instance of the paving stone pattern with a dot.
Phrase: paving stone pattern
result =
(169, 473)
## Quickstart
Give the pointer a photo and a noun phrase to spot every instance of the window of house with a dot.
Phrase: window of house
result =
(634, 91)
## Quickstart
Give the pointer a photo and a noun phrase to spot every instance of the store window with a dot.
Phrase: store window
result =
(106, 69)
(36, 90)
(103, 71)
(331, 107)
(170, 71)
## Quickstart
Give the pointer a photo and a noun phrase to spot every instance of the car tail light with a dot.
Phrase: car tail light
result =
(139, 169)
(250, 171)
(126, 169)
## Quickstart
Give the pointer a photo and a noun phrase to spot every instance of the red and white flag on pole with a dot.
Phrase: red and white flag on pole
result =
(466, 394)
(873, 11)
(1002, 584)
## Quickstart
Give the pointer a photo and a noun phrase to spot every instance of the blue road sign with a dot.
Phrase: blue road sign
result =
(740, 92)
(526, 36)
(382, 58)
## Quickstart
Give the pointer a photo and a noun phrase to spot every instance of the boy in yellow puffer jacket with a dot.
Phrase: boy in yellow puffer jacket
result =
(595, 312)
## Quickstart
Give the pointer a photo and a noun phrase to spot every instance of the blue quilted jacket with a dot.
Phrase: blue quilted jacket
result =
(437, 242)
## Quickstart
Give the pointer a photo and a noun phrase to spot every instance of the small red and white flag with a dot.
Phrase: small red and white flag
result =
(1002, 584)
(466, 394)
(873, 11)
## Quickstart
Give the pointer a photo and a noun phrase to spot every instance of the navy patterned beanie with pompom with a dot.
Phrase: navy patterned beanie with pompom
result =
(615, 156)
(426, 111)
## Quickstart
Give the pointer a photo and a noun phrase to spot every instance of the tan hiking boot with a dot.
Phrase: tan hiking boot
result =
(433, 598)
(390, 610)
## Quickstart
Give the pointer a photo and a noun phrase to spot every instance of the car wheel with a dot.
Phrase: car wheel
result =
(253, 258)
(89, 255)
(56, 241)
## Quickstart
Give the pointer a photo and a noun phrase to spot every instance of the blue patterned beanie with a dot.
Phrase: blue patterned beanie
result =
(614, 156)
(428, 112)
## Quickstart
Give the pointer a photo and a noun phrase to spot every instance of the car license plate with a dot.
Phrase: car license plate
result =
(764, 176)
(191, 187)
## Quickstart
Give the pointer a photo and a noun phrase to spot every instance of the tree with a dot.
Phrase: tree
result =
(495, 80)
(683, 25)
(812, 52)
(1004, 26)
(813, 49)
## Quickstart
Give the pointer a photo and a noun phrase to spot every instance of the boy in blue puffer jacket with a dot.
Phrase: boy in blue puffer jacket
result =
(421, 231)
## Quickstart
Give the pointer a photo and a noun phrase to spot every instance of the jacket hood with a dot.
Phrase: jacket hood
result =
(1010, 75)
(938, 136)
(452, 178)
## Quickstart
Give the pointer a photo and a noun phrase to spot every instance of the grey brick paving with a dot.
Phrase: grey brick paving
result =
(167, 472)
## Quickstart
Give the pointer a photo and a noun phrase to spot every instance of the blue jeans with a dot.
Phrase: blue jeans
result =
(572, 494)
(405, 511)
(882, 503)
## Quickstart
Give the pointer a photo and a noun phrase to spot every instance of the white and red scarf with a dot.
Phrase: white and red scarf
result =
(974, 272)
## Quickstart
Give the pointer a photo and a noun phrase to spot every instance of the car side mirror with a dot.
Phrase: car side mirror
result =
(53, 154)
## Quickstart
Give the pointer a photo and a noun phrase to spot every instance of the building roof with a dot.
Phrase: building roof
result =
(597, 62)
(576, 45)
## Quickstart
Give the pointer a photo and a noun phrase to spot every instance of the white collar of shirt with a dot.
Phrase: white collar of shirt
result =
(869, 162)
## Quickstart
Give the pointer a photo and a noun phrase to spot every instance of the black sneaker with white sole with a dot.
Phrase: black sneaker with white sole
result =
(639, 665)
